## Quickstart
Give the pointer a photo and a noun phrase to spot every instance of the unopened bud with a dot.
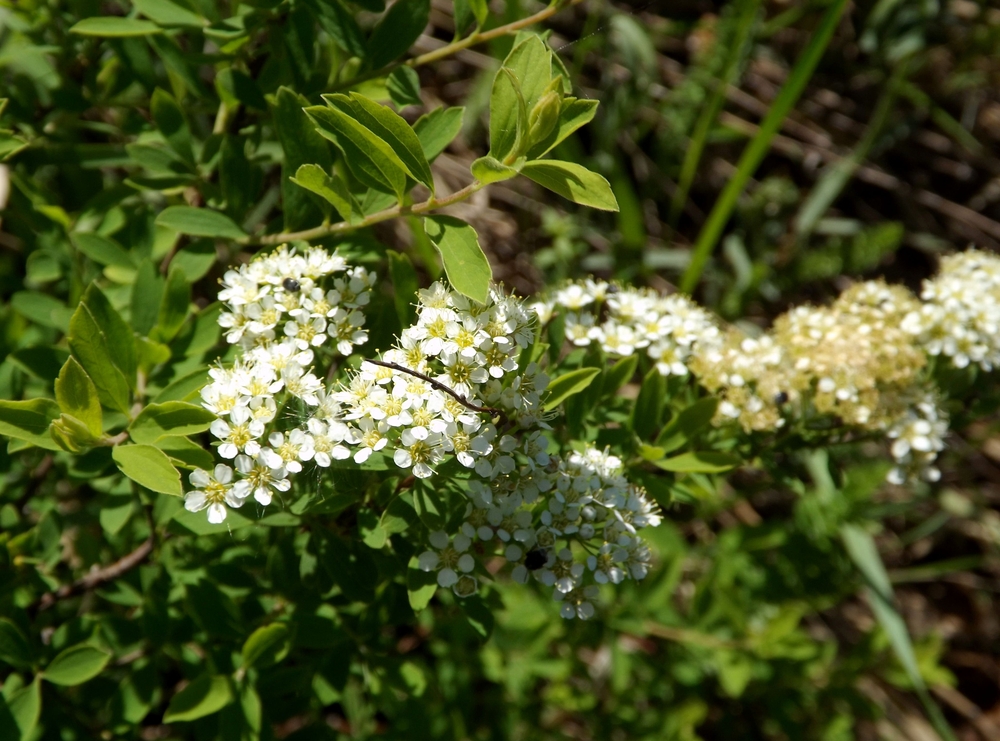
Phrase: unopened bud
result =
(544, 116)
(71, 434)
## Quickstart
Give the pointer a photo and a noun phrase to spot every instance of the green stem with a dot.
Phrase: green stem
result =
(755, 152)
(344, 227)
(476, 37)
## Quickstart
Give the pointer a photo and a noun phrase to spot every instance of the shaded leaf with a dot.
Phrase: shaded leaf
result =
(76, 665)
(468, 270)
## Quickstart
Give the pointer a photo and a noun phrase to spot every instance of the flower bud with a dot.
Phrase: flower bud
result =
(544, 117)
(71, 434)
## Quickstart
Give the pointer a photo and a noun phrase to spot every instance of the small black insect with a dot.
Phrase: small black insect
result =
(781, 397)
(535, 559)
(291, 285)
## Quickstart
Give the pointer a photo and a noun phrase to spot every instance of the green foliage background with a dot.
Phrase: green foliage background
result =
(755, 623)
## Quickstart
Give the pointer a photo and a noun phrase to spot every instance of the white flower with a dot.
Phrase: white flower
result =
(214, 491)
(259, 478)
(420, 448)
(450, 559)
(239, 435)
(290, 452)
(327, 441)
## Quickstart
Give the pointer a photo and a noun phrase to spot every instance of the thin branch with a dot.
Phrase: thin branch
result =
(97, 577)
(343, 227)
(440, 387)
(453, 48)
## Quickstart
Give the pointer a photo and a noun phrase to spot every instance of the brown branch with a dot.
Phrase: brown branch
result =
(441, 387)
(97, 577)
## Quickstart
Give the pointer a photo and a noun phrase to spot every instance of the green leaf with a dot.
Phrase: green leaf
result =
(332, 189)
(42, 309)
(20, 712)
(397, 30)
(76, 664)
(479, 615)
(687, 424)
(170, 121)
(404, 287)
(147, 293)
(390, 127)
(40, 361)
(168, 419)
(699, 461)
(420, 585)
(199, 222)
(404, 87)
(196, 259)
(339, 22)
(115, 27)
(518, 84)
(166, 13)
(174, 305)
(491, 170)
(91, 346)
(436, 129)
(203, 696)
(185, 387)
(234, 86)
(465, 264)
(102, 250)
(645, 417)
(302, 144)
(148, 467)
(573, 114)
(186, 453)
(572, 181)
(29, 421)
(569, 384)
(266, 646)
(13, 647)
(619, 374)
(371, 159)
(77, 396)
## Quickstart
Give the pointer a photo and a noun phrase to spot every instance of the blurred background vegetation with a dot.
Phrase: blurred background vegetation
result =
(752, 626)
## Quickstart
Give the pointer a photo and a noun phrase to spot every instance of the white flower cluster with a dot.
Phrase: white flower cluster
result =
(434, 393)
(282, 309)
(571, 523)
(960, 315)
(623, 320)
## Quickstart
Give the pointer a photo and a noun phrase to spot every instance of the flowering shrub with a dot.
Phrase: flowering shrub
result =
(266, 476)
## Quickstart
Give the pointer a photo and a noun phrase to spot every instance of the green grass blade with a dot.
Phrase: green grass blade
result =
(861, 548)
(755, 151)
(740, 50)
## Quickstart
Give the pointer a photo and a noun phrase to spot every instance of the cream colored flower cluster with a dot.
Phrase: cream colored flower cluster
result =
(960, 314)
(623, 320)
(852, 362)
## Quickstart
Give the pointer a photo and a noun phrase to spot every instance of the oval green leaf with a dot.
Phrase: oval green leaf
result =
(149, 467)
(203, 696)
(468, 270)
(699, 461)
(76, 664)
(266, 646)
(568, 385)
(574, 182)
(199, 222)
(116, 27)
